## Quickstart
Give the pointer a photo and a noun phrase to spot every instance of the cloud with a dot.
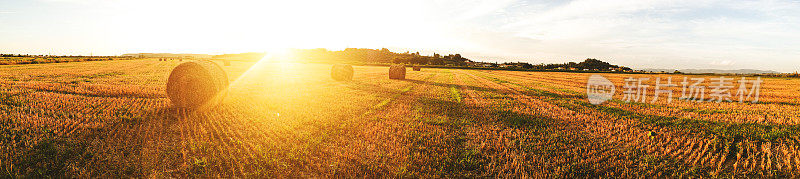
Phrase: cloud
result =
(651, 33)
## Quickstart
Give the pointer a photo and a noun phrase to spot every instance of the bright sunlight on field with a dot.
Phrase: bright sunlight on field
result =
(112, 118)
(399, 89)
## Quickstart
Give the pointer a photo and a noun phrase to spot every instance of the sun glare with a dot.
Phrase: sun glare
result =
(243, 26)
(279, 55)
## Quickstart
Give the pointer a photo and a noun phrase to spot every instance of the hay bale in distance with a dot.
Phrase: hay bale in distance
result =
(197, 84)
(342, 72)
(417, 68)
(397, 72)
(226, 62)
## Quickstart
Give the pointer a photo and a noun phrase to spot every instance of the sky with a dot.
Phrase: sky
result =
(679, 34)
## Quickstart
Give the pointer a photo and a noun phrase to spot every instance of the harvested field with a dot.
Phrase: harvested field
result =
(115, 119)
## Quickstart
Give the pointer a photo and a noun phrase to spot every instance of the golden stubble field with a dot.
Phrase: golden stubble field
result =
(112, 119)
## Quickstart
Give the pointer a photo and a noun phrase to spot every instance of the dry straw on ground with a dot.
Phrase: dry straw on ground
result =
(197, 84)
(226, 62)
(417, 68)
(397, 72)
(342, 72)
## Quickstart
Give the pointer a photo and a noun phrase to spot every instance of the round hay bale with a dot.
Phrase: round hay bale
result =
(227, 62)
(417, 68)
(342, 72)
(197, 84)
(397, 72)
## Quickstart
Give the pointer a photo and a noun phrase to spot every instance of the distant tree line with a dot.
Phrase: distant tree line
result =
(21, 60)
(784, 75)
(27, 55)
(383, 55)
(588, 64)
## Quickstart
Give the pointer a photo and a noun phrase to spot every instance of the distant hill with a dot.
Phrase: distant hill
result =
(590, 64)
(715, 71)
(166, 55)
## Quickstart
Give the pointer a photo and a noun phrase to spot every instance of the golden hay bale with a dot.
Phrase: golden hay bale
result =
(226, 62)
(197, 84)
(342, 72)
(397, 72)
(417, 68)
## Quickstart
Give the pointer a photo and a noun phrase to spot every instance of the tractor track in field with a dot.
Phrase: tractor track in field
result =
(388, 122)
(710, 113)
(487, 135)
(718, 113)
(616, 140)
(681, 145)
(778, 155)
(566, 125)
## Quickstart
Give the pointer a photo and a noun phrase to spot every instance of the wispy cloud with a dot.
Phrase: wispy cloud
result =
(470, 9)
(654, 33)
